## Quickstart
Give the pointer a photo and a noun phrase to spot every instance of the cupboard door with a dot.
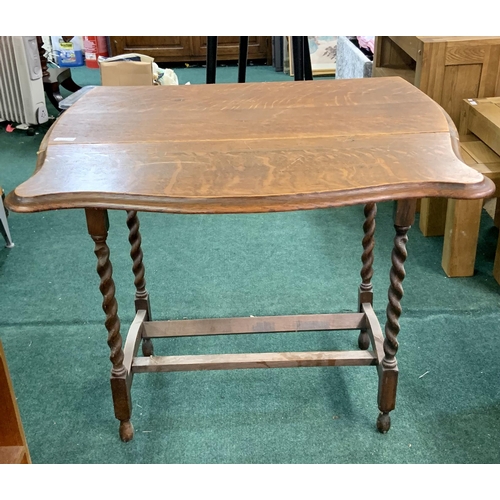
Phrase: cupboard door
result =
(189, 48)
(259, 47)
(162, 48)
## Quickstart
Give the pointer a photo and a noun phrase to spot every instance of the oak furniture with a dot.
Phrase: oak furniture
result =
(448, 69)
(480, 145)
(269, 147)
(185, 49)
(13, 445)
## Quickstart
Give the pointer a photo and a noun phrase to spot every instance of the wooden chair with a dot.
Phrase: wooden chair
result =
(301, 58)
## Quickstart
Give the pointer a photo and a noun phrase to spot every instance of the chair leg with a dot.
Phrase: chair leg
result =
(298, 57)
(4, 226)
(308, 75)
(242, 59)
(211, 58)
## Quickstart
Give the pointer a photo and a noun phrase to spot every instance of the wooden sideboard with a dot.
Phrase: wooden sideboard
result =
(190, 48)
(13, 445)
(447, 69)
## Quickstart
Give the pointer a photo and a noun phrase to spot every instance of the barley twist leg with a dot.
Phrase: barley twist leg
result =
(97, 221)
(388, 379)
(366, 287)
(141, 294)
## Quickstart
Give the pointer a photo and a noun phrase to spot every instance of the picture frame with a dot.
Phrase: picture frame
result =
(323, 51)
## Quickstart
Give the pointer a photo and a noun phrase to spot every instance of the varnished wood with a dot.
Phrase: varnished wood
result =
(365, 293)
(189, 48)
(258, 324)
(245, 361)
(141, 294)
(134, 337)
(271, 147)
(388, 376)
(13, 444)
(98, 224)
(366, 287)
(375, 333)
(404, 212)
(394, 309)
(250, 148)
(13, 455)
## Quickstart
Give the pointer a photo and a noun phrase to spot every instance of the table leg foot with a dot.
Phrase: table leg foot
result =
(363, 341)
(126, 431)
(383, 422)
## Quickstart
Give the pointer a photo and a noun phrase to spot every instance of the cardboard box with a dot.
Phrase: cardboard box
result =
(126, 73)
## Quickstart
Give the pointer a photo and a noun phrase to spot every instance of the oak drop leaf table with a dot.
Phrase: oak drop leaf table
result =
(247, 148)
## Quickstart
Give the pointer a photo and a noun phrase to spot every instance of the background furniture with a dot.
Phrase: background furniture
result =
(278, 47)
(301, 58)
(212, 46)
(4, 225)
(186, 49)
(448, 69)
(54, 78)
(406, 156)
(13, 445)
(351, 61)
(480, 147)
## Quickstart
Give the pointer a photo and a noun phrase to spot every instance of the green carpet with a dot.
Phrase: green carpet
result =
(51, 326)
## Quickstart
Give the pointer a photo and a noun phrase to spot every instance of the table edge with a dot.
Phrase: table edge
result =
(254, 204)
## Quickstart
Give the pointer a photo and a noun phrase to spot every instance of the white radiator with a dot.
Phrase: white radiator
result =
(22, 98)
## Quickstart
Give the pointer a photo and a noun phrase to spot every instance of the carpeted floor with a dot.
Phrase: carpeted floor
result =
(51, 326)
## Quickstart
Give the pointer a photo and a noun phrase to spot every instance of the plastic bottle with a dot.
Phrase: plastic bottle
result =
(94, 47)
(68, 50)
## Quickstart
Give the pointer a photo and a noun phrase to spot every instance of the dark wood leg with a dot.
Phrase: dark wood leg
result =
(98, 224)
(308, 75)
(365, 293)
(52, 91)
(211, 58)
(242, 59)
(388, 371)
(69, 84)
(298, 57)
(141, 294)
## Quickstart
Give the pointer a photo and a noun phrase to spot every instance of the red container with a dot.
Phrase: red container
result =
(94, 46)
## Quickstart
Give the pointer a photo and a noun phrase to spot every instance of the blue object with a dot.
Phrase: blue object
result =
(68, 54)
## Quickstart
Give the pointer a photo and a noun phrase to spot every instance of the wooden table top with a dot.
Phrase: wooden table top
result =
(255, 147)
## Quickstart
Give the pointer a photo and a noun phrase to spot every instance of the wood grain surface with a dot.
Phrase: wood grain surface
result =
(256, 147)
